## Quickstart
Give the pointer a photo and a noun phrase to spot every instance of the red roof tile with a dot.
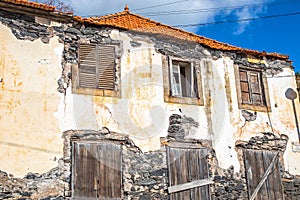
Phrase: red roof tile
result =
(31, 4)
(129, 21)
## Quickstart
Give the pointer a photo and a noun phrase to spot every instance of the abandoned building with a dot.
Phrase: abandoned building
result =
(123, 107)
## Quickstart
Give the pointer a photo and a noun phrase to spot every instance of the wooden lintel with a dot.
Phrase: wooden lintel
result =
(193, 184)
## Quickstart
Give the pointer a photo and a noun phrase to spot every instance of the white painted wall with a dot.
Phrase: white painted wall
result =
(43, 114)
(30, 138)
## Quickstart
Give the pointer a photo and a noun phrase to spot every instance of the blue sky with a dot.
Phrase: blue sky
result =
(281, 34)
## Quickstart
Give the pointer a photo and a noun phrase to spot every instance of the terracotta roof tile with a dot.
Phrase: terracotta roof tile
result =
(129, 21)
(31, 4)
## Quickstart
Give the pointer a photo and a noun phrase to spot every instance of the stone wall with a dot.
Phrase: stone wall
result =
(46, 186)
(291, 185)
(145, 175)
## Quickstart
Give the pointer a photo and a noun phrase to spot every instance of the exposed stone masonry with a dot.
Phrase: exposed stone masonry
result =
(145, 175)
(48, 186)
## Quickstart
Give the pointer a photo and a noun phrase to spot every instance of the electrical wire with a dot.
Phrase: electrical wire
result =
(189, 11)
(239, 20)
(160, 5)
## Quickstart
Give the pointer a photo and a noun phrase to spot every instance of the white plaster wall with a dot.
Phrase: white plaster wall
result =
(141, 111)
(143, 114)
(30, 138)
(34, 114)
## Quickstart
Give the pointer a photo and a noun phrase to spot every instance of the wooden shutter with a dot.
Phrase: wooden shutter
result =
(256, 164)
(97, 66)
(187, 165)
(106, 67)
(96, 170)
(256, 88)
(245, 89)
(87, 65)
(251, 87)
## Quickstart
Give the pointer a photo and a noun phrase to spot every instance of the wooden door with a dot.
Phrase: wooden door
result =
(188, 165)
(257, 163)
(96, 170)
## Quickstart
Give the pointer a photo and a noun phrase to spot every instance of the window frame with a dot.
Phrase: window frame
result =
(168, 97)
(77, 89)
(263, 89)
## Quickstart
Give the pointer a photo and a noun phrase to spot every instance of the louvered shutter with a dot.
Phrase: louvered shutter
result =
(106, 67)
(87, 66)
(97, 66)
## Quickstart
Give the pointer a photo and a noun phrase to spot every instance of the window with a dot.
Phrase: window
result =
(96, 170)
(252, 89)
(182, 81)
(96, 70)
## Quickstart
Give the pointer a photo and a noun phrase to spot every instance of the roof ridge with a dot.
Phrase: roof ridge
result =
(159, 23)
(147, 25)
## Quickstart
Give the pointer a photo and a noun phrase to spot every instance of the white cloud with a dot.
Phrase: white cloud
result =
(101, 7)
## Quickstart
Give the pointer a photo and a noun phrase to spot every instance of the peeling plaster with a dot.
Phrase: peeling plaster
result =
(28, 101)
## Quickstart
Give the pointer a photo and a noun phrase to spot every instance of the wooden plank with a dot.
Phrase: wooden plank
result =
(194, 169)
(184, 158)
(267, 157)
(265, 176)
(110, 173)
(83, 161)
(187, 169)
(249, 159)
(189, 185)
(274, 178)
(260, 170)
(204, 173)
(96, 170)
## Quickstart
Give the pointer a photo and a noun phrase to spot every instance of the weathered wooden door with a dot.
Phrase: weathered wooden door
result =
(96, 170)
(188, 165)
(260, 164)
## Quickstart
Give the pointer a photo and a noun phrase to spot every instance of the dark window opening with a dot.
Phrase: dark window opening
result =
(183, 79)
